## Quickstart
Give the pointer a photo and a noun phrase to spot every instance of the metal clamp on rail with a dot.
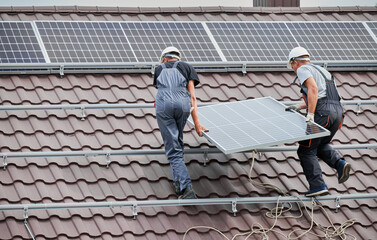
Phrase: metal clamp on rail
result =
(5, 163)
(244, 69)
(134, 210)
(108, 161)
(205, 158)
(153, 69)
(61, 71)
(358, 109)
(83, 115)
(337, 204)
(234, 207)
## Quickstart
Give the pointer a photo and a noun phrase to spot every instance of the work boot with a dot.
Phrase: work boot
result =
(343, 171)
(319, 191)
(188, 193)
(177, 188)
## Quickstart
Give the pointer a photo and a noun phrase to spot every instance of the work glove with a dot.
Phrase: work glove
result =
(310, 117)
(295, 107)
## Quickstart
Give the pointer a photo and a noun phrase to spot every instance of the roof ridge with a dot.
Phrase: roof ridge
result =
(207, 9)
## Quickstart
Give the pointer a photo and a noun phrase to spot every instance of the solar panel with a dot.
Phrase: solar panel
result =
(373, 27)
(252, 124)
(85, 42)
(148, 39)
(19, 43)
(335, 41)
(253, 41)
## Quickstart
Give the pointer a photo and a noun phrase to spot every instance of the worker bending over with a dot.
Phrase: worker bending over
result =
(322, 101)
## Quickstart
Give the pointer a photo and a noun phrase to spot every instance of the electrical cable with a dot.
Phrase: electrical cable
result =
(277, 212)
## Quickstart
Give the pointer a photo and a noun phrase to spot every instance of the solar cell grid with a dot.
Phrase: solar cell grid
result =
(335, 41)
(373, 27)
(19, 44)
(252, 124)
(148, 39)
(252, 41)
(85, 42)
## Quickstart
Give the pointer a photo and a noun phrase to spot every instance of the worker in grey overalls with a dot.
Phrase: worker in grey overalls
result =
(322, 102)
(175, 100)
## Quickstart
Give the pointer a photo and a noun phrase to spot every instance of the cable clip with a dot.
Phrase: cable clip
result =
(234, 207)
(337, 204)
(108, 161)
(5, 163)
(134, 210)
(83, 115)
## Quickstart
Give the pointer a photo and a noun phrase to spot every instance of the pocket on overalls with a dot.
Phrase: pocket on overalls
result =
(186, 104)
(160, 104)
(322, 117)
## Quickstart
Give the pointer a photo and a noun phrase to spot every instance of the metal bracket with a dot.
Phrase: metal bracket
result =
(61, 71)
(358, 109)
(244, 69)
(205, 158)
(134, 210)
(25, 214)
(26, 224)
(337, 204)
(153, 69)
(108, 160)
(5, 163)
(325, 65)
(234, 207)
(83, 115)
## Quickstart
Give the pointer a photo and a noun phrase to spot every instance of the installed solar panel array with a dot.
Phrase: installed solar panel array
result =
(252, 124)
(215, 42)
(19, 43)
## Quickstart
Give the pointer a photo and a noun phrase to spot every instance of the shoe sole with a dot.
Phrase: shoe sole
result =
(345, 173)
(319, 193)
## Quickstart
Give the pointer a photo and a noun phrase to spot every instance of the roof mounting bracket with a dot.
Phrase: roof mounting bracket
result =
(337, 204)
(83, 115)
(108, 161)
(325, 65)
(61, 71)
(244, 69)
(234, 207)
(5, 163)
(358, 109)
(26, 224)
(134, 210)
(153, 69)
(205, 158)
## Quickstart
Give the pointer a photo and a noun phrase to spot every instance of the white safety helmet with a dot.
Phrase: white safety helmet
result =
(171, 52)
(295, 53)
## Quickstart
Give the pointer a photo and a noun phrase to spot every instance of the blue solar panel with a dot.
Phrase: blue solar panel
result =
(19, 43)
(148, 39)
(85, 42)
(253, 41)
(335, 41)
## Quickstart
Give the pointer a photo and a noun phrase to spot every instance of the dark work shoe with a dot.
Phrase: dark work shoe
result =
(319, 191)
(343, 171)
(188, 193)
(177, 188)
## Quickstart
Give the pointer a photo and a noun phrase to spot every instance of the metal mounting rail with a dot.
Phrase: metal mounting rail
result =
(183, 202)
(137, 105)
(108, 153)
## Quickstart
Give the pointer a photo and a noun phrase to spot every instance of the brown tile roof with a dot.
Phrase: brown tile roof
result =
(86, 179)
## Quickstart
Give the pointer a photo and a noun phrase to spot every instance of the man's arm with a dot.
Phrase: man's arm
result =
(194, 113)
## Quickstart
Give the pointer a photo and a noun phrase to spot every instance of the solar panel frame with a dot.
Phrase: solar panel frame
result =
(149, 39)
(19, 43)
(253, 124)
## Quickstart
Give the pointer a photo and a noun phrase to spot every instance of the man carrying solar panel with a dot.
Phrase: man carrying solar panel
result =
(322, 101)
(175, 100)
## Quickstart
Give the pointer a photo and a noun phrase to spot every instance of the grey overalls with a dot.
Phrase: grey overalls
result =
(329, 114)
(172, 110)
